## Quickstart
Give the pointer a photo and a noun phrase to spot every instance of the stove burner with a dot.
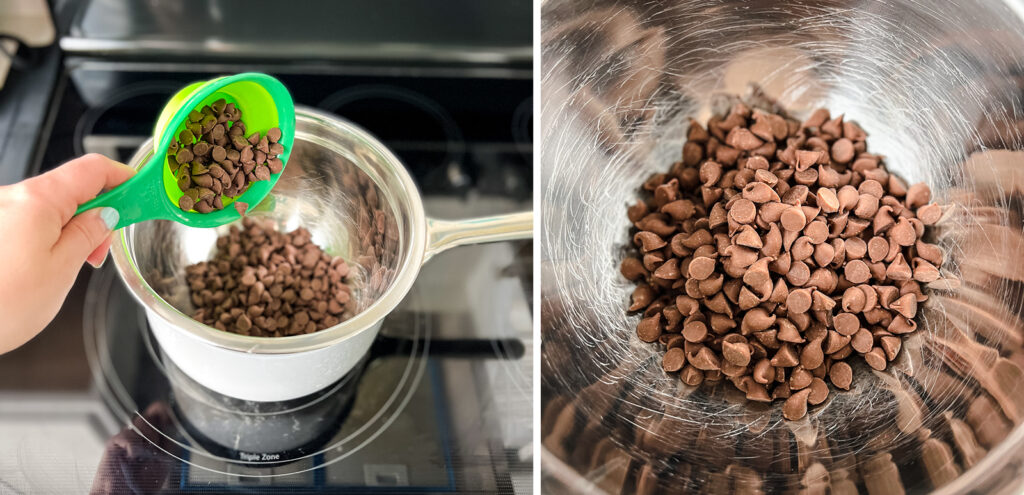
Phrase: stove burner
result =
(148, 94)
(260, 431)
(384, 111)
(212, 432)
(522, 127)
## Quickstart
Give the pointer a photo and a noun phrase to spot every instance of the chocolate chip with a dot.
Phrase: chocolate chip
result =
(906, 305)
(238, 141)
(202, 149)
(924, 271)
(842, 150)
(695, 331)
(186, 203)
(218, 153)
(759, 192)
(243, 323)
(802, 248)
(862, 341)
(819, 392)
(632, 269)
(763, 372)
(891, 346)
(841, 375)
(901, 326)
(856, 271)
(793, 219)
(824, 254)
(184, 180)
(812, 355)
(785, 357)
(875, 358)
(903, 233)
(816, 231)
(743, 211)
(691, 376)
(867, 206)
(828, 201)
(705, 360)
(929, 214)
(673, 360)
(805, 158)
(262, 172)
(204, 180)
(276, 165)
(800, 378)
(274, 134)
(701, 268)
(742, 139)
(648, 241)
(795, 406)
(836, 342)
(918, 195)
(847, 323)
(203, 206)
(899, 269)
(737, 353)
(649, 329)
(798, 274)
(184, 156)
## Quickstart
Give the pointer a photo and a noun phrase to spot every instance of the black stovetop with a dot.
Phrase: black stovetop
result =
(441, 404)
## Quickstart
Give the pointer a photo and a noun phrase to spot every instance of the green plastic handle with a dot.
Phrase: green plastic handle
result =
(153, 192)
(133, 199)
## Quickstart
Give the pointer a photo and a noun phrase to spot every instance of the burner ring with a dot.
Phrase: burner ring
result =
(522, 127)
(455, 143)
(104, 297)
(92, 115)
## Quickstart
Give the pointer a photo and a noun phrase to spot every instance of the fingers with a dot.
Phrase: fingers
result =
(80, 180)
(99, 255)
(83, 235)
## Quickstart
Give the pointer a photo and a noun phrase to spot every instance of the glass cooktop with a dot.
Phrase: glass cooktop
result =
(442, 403)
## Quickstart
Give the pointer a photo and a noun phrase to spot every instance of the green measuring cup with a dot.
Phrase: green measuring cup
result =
(153, 192)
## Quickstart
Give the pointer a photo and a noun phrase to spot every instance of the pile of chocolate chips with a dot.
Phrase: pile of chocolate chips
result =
(265, 283)
(775, 251)
(213, 159)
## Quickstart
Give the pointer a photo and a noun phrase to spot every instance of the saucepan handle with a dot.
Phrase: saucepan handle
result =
(445, 234)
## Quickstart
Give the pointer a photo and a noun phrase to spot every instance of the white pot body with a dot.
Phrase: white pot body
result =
(260, 377)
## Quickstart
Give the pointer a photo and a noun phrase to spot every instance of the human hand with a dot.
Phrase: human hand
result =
(46, 243)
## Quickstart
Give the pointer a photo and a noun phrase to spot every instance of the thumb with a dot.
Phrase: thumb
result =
(83, 234)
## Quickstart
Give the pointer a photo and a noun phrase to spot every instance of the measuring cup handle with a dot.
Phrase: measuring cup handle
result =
(135, 200)
(445, 234)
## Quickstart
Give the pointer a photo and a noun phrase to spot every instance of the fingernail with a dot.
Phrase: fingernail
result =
(102, 261)
(110, 216)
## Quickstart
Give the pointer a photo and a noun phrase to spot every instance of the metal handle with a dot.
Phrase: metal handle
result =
(445, 234)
